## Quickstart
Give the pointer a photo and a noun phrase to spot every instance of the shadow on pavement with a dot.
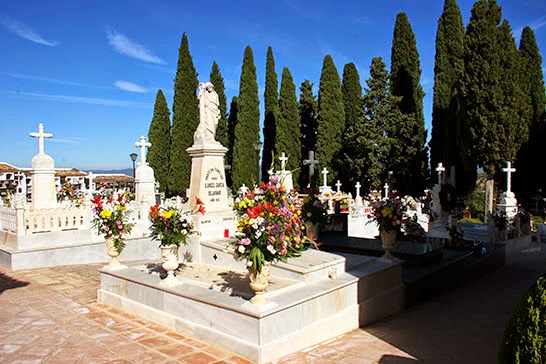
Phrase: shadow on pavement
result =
(7, 282)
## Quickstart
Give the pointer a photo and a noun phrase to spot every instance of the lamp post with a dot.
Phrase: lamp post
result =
(133, 156)
(257, 147)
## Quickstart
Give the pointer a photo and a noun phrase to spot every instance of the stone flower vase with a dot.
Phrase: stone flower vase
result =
(259, 282)
(113, 253)
(169, 256)
(387, 239)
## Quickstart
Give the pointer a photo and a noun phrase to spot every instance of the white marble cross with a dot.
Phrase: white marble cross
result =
(386, 186)
(338, 185)
(358, 185)
(283, 158)
(41, 135)
(508, 171)
(142, 144)
(325, 177)
(311, 162)
(440, 169)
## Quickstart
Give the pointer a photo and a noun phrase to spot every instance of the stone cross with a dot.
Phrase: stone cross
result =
(440, 169)
(338, 185)
(386, 186)
(283, 158)
(508, 171)
(142, 144)
(358, 185)
(325, 177)
(311, 162)
(41, 135)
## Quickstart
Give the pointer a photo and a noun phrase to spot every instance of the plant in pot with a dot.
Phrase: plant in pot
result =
(171, 225)
(110, 218)
(270, 229)
(389, 215)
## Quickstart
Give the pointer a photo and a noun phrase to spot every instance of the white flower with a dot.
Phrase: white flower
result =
(241, 249)
(249, 264)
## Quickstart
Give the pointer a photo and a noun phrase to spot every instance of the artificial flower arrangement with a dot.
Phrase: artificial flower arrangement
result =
(313, 210)
(68, 194)
(110, 218)
(172, 225)
(269, 224)
(414, 231)
(389, 213)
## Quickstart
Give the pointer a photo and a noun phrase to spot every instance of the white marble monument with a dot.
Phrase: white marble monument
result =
(284, 175)
(325, 188)
(508, 202)
(44, 194)
(144, 177)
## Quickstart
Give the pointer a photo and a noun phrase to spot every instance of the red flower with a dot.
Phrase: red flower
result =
(198, 201)
(201, 209)
(120, 198)
(153, 209)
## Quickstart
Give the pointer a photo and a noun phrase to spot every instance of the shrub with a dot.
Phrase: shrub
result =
(524, 340)
(537, 220)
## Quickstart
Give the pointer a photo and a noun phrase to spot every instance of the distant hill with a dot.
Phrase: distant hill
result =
(127, 171)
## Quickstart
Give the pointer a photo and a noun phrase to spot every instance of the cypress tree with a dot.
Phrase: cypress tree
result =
(218, 81)
(288, 125)
(185, 120)
(448, 70)
(159, 136)
(308, 126)
(528, 179)
(232, 122)
(351, 91)
(247, 130)
(405, 82)
(271, 100)
(331, 117)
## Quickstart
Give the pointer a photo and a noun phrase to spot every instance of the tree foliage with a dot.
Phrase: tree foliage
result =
(247, 129)
(308, 126)
(232, 122)
(271, 105)
(217, 80)
(185, 118)
(331, 117)
(288, 125)
(159, 136)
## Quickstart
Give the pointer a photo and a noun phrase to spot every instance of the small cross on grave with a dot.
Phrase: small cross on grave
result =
(440, 169)
(41, 135)
(338, 185)
(142, 144)
(357, 186)
(283, 158)
(509, 170)
(386, 187)
(325, 177)
(311, 162)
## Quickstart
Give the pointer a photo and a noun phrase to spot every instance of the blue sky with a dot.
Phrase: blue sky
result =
(90, 70)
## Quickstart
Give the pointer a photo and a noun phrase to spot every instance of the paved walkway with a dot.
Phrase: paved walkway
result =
(51, 316)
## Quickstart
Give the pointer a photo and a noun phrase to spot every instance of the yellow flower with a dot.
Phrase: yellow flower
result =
(386, 212)
(105, 214)
(168, 214)
(275, 202)
(121, 207)
(242, 205)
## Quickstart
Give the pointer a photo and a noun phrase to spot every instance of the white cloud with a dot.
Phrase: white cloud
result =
(535, 25)
(24, 76)
(82, 100)
(125, 46)
(64, 141)
(129, 86)
(25, 32)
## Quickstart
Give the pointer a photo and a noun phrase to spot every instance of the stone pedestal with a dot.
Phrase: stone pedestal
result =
(208, 183)
(145, 184)
(44, 194)
(508, 204)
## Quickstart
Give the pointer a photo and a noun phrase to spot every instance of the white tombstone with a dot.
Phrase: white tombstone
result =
(285, 176)
(44, 194)
(436, 205)
(440, 169)
(338, 186)
(386, 187)
(144, 177)
(508, 202)
(358, 198)
(325, 188)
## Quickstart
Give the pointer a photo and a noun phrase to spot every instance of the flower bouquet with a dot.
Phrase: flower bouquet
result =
(110, 218)
(172, 225)
(313, 210)
(389, 215)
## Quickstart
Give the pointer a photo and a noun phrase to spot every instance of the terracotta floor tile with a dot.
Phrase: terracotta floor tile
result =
(21, 338)
(99, 352)
(176, 351)
(156, 341)
(199, 358)
(238, 360)
(9, 348)
(27, 359)
(215, 351)
(38, 350)
(176, 335)
(325, 352)
(147, 357)
(131, 349)
(195, 343)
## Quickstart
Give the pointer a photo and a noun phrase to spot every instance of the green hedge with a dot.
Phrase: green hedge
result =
(524, 340)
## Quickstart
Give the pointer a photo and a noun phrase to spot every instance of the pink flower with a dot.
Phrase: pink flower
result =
(106, 228)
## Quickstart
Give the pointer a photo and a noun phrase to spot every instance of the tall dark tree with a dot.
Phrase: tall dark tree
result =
(331, 117)
(448, 69)
(185, 118)
(232, 122)
(159, 136)
(308, 126)
(271, 104)
(218, 81)
(247, 130)
(351, 91)
(405, 83)
(528, 178)
(288, 125)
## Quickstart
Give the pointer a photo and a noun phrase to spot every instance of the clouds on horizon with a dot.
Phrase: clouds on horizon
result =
(129, 86)
(82, 100)
(126, 46)
(24, 76)
(25, 32)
